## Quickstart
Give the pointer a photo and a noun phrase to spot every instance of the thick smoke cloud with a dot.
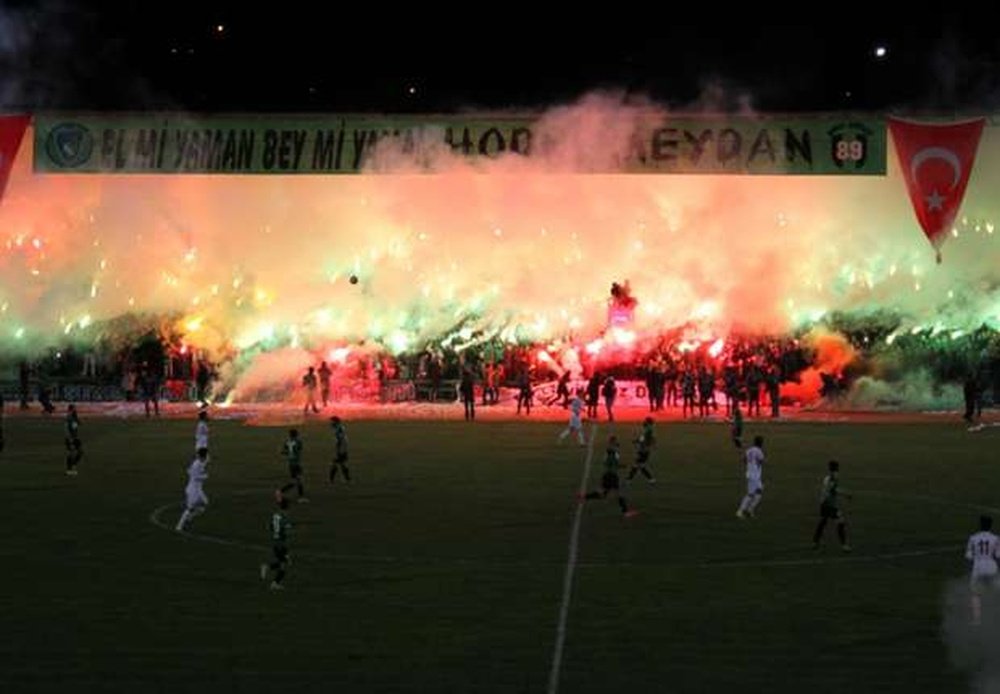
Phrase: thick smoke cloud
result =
(514, 246)
(973, 649)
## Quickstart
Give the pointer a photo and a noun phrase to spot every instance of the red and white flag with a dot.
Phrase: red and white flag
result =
(936, 160)
(11, 131)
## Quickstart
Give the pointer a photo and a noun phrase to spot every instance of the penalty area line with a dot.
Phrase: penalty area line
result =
(154, 518)
(157, 513)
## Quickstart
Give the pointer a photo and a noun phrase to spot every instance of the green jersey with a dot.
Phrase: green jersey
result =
(279, 527)
(612, 460)
(293, 451)
(341, 434)
(72, 426)
(830, 494)
(646, 439)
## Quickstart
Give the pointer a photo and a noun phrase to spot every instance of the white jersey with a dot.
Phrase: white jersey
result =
(755, 463)
(197, 473)
(201, 435)
(575, 410)
(983, 550)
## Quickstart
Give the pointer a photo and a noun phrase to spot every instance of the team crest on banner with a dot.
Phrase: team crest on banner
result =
(849, 144)
(11, 131)
(936, 160)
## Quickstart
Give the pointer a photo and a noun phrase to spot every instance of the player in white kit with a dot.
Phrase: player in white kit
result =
(201, 431)
(754, 458)
(194, 495)
(983, 550)
(575, 420)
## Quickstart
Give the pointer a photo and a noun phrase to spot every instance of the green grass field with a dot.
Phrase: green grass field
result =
(441, 568)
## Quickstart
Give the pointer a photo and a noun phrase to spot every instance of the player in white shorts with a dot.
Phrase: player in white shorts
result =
(754, 458)
(194, 495)
(575, 420)
(983, 550)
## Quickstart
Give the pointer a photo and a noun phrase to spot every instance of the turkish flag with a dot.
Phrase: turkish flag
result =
(11, 131)
(936, 160)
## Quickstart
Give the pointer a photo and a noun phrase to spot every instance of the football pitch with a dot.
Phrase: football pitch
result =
(459, 560)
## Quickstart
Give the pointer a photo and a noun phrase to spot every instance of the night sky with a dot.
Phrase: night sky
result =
(299, 57)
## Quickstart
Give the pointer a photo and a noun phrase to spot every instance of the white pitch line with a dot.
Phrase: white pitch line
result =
(574, 544)
(843, 559)
(155, 519)
(932, 500)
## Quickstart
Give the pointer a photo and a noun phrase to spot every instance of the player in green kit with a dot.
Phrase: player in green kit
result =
(644, 446)
(610, 481)
(736, 431)
(74, 446)
(279, 528)
(292, 450)
(340, 454)
(829, 507)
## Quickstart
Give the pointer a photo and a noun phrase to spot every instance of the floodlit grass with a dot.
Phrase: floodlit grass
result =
(440, 569)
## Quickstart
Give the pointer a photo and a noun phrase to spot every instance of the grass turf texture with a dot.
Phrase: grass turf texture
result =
(441, 568)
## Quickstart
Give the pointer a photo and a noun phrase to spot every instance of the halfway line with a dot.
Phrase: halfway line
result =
(574, 542)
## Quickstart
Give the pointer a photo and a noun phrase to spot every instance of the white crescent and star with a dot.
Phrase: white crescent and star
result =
(935, 201)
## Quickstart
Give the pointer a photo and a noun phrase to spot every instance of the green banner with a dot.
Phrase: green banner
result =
(331, 144)
(790, 146)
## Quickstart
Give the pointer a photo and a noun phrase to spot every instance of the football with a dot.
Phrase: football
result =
(354, 279)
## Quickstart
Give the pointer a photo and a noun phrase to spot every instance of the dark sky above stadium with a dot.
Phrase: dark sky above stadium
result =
(298, 57)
